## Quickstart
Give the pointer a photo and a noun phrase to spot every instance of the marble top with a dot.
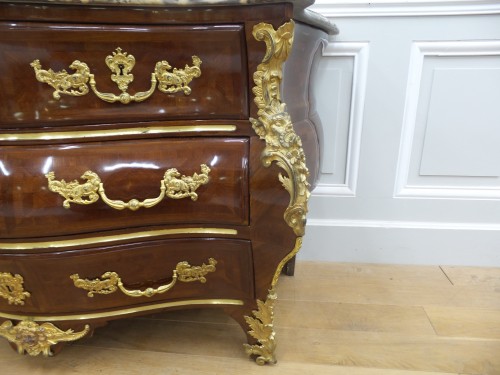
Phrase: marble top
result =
(300, 13)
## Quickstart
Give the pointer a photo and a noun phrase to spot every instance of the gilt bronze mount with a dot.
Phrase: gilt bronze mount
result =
(173, 185)
(120, 63)
(110, 282)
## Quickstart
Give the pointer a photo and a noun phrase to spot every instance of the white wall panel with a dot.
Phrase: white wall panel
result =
(335, 90)
(451, 131)
(417, 135)
(462, 131)
(340, 83)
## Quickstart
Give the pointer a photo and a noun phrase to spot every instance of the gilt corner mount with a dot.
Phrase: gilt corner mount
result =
(274, 124)
(283, 146)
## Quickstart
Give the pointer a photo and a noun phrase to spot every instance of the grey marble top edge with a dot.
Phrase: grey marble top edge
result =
(315, 19)
(300, 12)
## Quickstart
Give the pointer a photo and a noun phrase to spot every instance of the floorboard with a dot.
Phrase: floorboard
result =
(331, 319)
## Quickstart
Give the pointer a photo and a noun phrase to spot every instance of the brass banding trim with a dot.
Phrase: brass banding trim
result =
(122, 312)
(112, 238)
(51, 136)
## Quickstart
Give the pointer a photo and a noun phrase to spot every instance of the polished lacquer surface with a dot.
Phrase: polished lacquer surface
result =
(128, 170)
(232, 274)
(148, 161)
(220, 92)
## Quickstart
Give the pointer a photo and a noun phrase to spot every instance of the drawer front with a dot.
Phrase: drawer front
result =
(73, 281)
(210, 185)
(219, 92)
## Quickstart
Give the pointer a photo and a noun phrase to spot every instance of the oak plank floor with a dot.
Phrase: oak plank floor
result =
(331, 319)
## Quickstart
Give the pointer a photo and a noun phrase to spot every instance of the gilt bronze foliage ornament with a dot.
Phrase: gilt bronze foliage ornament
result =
(274, 124)
(120, 63)
(283, 146)
(262, 328)
(33, 338)
(173, 185)
(12, 289)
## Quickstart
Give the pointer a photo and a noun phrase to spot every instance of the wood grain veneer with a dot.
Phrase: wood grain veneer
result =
(241, 215)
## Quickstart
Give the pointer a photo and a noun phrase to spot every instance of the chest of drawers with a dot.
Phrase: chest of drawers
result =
(148, 162)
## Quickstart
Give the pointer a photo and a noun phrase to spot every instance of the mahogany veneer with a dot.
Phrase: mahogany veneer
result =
(133, 236)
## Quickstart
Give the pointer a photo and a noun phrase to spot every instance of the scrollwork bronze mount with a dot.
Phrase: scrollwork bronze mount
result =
(34, 339)
(12, 288)
(120, 63)
(110, 282)
(173, 185)
(283, 146)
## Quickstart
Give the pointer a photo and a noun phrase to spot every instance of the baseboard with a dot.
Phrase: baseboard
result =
(400, 244)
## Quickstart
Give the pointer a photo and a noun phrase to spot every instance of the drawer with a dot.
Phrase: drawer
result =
(59, 283)
(33, 200)
(221, 91)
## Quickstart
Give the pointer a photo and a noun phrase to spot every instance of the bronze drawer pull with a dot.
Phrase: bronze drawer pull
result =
(121, 64)
(110, 281)
(173, 185)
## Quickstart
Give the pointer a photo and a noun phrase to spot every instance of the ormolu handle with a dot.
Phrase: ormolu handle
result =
(110, 282)
(173, 186)
(121, 64)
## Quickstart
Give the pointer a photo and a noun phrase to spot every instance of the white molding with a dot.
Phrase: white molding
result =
(398, 243)
(398, 224)
(459, 48)
(360, 53)
(392, 8)
(447, 192)
(419, 51)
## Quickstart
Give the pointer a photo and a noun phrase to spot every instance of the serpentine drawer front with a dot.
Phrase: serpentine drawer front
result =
(154, 155)
(224, 271)
(220, 195)
(218, 89)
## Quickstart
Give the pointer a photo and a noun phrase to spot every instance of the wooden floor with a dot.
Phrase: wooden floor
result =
(354, 319)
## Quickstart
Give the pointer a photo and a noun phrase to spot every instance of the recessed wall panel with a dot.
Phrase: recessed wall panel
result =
(451, 127)
(334, 88)
(463, 124)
